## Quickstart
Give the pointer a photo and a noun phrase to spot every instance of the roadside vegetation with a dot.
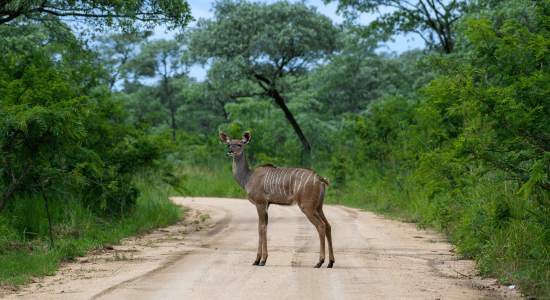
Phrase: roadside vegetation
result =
(25, 246)
(99, 128)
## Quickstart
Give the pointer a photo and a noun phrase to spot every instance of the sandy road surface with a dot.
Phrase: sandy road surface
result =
(376, 258)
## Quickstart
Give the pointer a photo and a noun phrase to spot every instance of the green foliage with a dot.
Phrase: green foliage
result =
(497, 99)
(23, 252)
(486, 174)
(116, 50)
(68, 139)
(120, 14)
(266, 45)
(162, 59)
(215, 181)
(250, 31)
(433, 21)
(43, 110)
(353, 78)
(125, 150)
(524, 12)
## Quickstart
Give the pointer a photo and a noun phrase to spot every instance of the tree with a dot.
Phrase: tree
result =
(350, 80)
(42, 112)
(60, 130)
(126, 15)
(263, 44)
(164, 60)
(116, 50)
(495, 103)
(125, 148)
(432, 19)
(207, 108)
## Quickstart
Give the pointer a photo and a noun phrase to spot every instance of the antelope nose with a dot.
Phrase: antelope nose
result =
(230, 152)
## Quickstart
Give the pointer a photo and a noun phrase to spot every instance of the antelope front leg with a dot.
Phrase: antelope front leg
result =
(262, 232)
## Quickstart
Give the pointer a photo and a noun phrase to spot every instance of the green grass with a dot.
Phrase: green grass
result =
(371, 192)
(505, 232)
(24, 231)
(213, 181)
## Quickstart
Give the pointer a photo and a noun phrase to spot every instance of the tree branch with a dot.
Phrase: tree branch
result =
(35, 186)
(14, 186)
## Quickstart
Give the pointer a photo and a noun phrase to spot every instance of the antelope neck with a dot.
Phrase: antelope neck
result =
(240, 170)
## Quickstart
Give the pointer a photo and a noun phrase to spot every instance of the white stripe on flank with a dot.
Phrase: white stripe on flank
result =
(290, 182)
(283, 180)
(271, 180)
(276, 180)
(307, 180)
(265, 179)
(273, 186)
(314, 179)
(296, 180)
(301, 181)
(280, 180)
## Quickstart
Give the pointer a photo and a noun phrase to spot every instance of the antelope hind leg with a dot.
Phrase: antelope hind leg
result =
(320, 225)
(262, 227)
(329, 238)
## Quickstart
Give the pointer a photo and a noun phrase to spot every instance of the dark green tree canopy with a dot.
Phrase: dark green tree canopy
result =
(432, 19)
(289, 36)
(127, 15)
(264, 43)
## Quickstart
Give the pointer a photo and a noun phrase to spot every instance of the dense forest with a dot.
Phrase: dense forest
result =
(100, 122)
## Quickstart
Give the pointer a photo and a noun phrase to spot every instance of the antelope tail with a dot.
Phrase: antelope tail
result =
(325, 181)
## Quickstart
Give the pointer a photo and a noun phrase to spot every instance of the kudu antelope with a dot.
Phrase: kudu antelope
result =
(284, 186)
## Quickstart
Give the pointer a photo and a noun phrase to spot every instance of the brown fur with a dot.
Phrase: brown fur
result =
(268, 184)
(269, 165)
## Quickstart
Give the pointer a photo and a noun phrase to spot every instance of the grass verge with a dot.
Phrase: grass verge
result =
(24, 233)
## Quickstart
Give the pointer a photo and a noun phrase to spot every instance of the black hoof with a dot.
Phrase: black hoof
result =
(330, 264)
(255, 263)
(320, 263)
(262, 263)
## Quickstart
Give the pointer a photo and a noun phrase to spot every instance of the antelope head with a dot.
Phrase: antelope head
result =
(235, 146)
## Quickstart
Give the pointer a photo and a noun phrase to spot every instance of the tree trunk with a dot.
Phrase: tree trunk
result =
(173, 113)
(275, 94)
(168, 99)
(49, 218)
(5, 199)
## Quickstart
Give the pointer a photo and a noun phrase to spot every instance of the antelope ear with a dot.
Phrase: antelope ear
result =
(246, 137)
(225, 138)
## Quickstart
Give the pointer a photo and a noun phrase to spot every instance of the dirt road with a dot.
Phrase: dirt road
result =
(376, 258)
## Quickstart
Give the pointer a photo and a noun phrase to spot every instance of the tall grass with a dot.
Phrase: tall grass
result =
(506, 232)
(24, 230)
(212, 181)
